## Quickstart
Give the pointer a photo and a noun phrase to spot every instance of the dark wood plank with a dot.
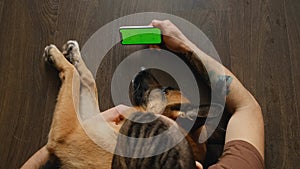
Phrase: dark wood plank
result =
(25, 29)
(280, 96)
(1, 9)
(292, 16)
(215, 25)
(260, 58)
(80, 19)
(245, 27)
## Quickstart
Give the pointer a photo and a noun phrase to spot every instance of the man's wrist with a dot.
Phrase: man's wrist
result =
(187, 47)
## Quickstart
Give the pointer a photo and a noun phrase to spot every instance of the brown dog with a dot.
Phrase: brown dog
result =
(78, 93)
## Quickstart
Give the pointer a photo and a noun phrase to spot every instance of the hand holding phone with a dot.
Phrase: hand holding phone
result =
(173, 38)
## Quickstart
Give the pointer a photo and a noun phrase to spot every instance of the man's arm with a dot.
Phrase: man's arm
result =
(246, 122)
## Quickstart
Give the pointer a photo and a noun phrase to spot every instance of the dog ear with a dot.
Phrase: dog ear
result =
(142, 83)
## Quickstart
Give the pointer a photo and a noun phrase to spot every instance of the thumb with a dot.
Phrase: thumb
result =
(156, 23)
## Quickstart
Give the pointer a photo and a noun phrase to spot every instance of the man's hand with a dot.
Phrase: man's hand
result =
(172, 36)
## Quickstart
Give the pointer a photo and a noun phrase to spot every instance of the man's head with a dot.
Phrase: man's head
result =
(180, 156)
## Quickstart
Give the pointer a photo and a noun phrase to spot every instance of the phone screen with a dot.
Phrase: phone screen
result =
(140, 35)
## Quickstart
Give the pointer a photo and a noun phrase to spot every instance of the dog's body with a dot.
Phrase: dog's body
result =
(78, 93)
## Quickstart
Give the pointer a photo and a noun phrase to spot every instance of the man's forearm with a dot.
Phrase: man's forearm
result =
(212, 72)
(219, 78)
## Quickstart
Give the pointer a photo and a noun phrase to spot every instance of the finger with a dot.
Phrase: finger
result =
(151, 46)
(156, 23)
(154, 47)
(162, 25)
(198, 165)
(152, 23)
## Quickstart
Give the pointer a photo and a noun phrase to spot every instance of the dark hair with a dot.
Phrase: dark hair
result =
(178, 157)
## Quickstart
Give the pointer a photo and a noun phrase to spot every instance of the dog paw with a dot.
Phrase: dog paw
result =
(72, 52)
(47, 54)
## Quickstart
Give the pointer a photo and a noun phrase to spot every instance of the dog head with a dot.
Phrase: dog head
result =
(147, 94)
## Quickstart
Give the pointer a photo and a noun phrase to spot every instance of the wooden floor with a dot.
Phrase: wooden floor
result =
(258, 40)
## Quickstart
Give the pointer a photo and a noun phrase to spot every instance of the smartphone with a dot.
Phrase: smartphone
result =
(140, 35)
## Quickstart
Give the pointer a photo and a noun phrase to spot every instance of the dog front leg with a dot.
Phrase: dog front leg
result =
(88, 105)
(64, 118)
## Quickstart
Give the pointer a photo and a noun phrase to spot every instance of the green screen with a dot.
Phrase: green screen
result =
(131, 36)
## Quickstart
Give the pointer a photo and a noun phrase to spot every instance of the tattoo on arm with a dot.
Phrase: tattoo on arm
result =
(214, 79)
(227, 80)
